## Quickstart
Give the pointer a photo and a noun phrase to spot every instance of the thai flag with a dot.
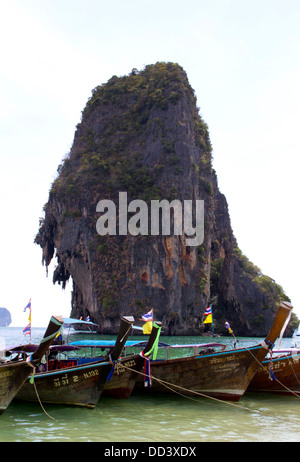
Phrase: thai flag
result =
(148, 316)
(27, 329)
(208, 311)
(28, 305)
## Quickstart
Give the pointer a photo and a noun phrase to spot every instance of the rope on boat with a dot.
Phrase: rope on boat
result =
(272, 374)
(128, 330)
(203, 395)
(291, 365)
(37, 395)
(36, 392)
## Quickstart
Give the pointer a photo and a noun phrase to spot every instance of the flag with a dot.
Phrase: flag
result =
(147, 328)
(148, 316)
(227, 325)
(28, 305)
(27, 329)
(208, 314)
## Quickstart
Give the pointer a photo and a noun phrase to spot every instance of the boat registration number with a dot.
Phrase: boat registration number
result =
(64, 380)
(119, 369)
(89, 374)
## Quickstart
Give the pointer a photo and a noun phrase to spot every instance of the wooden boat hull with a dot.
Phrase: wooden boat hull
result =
(121, 383)
(123, 380)
(12, 378)
(224, 375)
(14, 374)
(75, 386)
(286, 369)
(80, 385)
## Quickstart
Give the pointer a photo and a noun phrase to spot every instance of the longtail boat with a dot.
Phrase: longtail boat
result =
(13, 374)
(82, 352)
(78, 385)
(224, 375)
(279, 373)
(126, 371)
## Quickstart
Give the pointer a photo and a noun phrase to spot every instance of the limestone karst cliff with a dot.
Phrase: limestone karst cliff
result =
(142, 134)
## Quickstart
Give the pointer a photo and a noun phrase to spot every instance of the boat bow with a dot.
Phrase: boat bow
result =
(14, 374)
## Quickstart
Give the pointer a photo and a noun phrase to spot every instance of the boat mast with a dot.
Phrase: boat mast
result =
(212, 320)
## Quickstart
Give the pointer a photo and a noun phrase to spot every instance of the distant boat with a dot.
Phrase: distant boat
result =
(80, 325)
(14, 373)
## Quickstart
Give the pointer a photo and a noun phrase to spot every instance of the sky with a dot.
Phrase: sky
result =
(242, 59)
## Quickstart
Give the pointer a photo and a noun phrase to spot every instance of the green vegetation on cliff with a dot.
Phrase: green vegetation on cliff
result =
(114, 156)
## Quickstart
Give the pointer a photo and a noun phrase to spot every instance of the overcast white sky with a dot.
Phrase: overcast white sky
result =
(242, 58)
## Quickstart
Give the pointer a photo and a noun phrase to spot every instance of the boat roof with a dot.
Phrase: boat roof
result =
(30, 348)
(136, 343)
(111, 343)
(287, 350)
(77, 345)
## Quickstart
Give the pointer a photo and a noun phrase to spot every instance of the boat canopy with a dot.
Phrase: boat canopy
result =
(135, 343)
(111, 343)
(30, 348)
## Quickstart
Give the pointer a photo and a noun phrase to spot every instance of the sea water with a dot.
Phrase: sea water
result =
(145, 418)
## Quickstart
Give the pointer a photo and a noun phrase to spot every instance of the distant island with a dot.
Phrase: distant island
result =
(5, 317)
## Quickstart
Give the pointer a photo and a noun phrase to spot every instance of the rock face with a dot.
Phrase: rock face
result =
(5, 317)
(142, 134)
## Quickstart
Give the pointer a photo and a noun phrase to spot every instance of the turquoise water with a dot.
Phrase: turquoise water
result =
(144, 418)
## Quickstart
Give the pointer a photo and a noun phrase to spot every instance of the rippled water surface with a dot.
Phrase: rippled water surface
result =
(145, 418)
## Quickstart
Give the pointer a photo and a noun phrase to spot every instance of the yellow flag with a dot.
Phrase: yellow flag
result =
(208, 319)
(147, 327)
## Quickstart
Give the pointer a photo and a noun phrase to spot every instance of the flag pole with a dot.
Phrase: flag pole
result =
(227, 325)
(29, 319)
(30, 324)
